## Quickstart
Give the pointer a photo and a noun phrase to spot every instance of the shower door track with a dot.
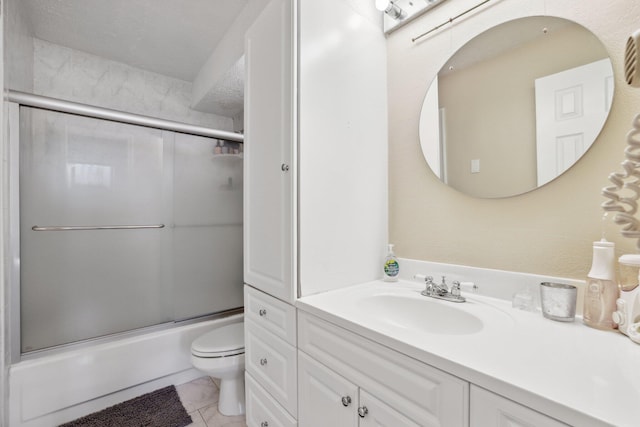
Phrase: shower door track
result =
(38, 101)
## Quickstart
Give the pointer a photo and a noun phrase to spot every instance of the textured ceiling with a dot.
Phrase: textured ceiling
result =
(170, 37)
(227, 97)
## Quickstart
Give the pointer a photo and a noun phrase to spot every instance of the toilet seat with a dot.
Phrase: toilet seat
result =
(221, 342)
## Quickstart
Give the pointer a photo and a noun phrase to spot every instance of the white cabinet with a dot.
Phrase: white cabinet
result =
(328, 399)
(308, 100)
(315, 89)
(262, 409)
(270, 353)
(272, 362)
(275, 316)
(269, 217)
(269, 167)
(490, 410)
(375, 413)
(399, 388)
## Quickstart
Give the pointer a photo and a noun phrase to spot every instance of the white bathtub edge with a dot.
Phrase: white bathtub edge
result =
(54, 389)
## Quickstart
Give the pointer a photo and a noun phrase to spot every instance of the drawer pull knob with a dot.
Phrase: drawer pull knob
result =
(346, 401)
(264, 424)
(263, 361)
(284, 167)
(363, 411)
(262, 312)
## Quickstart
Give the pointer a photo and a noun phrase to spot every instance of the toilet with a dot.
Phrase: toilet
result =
(220, 354)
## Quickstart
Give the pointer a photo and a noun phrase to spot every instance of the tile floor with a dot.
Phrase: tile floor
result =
(200, 398)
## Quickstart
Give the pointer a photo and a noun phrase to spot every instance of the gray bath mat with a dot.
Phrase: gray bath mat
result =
(160, 408)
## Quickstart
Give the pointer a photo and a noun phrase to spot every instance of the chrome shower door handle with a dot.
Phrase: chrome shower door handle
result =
(93, 227)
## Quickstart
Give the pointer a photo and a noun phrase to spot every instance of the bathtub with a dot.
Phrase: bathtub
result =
(59, 387)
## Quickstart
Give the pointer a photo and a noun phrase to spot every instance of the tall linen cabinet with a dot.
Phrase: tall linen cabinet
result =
(315, 178)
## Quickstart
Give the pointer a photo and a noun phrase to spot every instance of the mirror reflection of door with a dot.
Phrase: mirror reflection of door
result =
(486, 145)
(571, 108)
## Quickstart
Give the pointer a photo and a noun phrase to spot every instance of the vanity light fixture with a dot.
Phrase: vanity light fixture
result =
(391, 9)
(400, 12)
(450, 21)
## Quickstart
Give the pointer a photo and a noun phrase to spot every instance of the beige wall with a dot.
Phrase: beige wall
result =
(490, 108)
(547, 231)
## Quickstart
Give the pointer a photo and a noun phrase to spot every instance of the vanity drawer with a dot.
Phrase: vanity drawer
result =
(419, 391)
(262, 410)
(273, 363)
(488, 410)
(272, 314)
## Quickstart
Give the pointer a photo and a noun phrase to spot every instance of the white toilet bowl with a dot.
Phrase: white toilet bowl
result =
(220, 354)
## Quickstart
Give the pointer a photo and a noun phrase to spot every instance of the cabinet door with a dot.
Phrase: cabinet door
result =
(420, 392)
(269, 170)
(275, 316)
(490, 410)
(379, 414)
(326, 398)
(272, 362)
(262, 409)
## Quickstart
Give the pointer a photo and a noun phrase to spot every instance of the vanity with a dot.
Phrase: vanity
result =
(382, 354)
(416, 361)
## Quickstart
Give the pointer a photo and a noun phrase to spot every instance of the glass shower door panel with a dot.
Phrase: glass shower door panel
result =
(80, 284)
(207, 233)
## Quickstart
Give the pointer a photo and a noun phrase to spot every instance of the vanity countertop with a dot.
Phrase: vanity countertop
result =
(576, 374)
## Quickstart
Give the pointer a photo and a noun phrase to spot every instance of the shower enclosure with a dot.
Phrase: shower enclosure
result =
(122, 227)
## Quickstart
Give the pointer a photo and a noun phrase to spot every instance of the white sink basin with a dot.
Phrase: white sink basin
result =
(399, 310)
(422, 314)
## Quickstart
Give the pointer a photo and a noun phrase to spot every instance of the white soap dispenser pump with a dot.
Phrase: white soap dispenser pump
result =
(602, 289)
(391, 268)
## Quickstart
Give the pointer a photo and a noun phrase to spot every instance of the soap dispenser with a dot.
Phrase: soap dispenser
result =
(602, 291)
(391, 268)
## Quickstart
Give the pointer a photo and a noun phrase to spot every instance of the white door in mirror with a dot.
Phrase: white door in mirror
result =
(571, 107)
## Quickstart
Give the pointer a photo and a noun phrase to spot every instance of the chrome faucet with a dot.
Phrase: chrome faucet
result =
(442, 288)
(442, 291)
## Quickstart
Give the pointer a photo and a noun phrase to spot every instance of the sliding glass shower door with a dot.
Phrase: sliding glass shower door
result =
(122, 227)
(207, 228)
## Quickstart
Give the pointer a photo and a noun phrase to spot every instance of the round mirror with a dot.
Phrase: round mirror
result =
(516, 106)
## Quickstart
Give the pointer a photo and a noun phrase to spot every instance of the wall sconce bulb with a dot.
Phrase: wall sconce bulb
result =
(391, 9)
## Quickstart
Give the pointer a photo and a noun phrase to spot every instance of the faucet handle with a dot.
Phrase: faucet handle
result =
(455, 288)
(428, 281)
